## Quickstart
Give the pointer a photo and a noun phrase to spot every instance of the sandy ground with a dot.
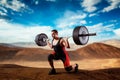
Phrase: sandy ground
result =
(89, 64)
(15, 72)
(89, 69)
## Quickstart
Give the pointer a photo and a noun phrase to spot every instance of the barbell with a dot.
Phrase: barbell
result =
(80, 36)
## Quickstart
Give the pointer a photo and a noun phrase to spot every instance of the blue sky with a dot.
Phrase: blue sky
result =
(22, 20)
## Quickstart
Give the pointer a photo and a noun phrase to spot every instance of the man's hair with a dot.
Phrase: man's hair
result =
(54, 30)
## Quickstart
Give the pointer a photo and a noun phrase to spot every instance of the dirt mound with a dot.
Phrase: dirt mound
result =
(7, 52)
(99, 50)
(28, 54)
(10, 66)
(32, 54)
(113, 42)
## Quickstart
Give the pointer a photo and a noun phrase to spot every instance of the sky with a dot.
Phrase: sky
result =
(22, 20)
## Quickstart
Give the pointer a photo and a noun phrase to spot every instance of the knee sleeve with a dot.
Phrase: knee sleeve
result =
(50, 57)
(68, 68)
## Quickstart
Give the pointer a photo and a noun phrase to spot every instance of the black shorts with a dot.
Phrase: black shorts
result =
(64, 58)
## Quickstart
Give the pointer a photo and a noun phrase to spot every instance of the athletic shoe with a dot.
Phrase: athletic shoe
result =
(52, 72)
(76, 68)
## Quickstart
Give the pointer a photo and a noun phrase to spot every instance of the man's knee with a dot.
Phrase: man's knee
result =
(50, 57)
(68, 68)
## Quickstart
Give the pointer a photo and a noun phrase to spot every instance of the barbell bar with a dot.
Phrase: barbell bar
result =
(80, 36)
(90, 34)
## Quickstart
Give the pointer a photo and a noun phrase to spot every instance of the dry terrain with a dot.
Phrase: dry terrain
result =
(97, 61)
(16, 72)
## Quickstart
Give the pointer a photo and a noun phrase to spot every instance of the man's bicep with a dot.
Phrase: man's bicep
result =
(67, 43)
(49, 44)
(62, 42)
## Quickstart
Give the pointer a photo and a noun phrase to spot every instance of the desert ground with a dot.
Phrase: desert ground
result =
(97, 61)
(15, 72)
(88, 64)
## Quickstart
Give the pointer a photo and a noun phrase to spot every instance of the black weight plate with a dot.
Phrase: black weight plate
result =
(75, 35)
(80, 40)
(40, 39)
(83, 39)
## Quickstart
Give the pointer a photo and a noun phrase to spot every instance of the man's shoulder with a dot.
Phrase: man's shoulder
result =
(61, 38)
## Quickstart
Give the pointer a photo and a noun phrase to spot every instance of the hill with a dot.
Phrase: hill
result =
(99, 50)
(112, 42)
(95, 50)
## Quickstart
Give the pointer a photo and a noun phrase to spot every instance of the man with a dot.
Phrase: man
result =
(59, 45)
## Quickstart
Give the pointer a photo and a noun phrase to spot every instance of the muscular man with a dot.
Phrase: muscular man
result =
(60, 53)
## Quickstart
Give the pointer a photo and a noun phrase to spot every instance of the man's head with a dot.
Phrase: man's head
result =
(54, 33)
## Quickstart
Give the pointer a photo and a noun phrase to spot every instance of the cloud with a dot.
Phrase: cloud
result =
(117, 32)
(89, 5)
(67, 32)
(82, 22)
(114, 21)
(104, 32)
(3, 9)
(70, 19)
(100, 27)
(19, 33)
(93, 14)
(2, 13)
(113, 5)
(5, 16)
(14, 5)
(36, 2)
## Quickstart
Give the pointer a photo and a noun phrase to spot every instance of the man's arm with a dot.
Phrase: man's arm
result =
(49, 44)
(65, 43)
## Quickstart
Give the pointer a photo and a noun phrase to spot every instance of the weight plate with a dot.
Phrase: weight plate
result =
(40, 39)
(80, 40)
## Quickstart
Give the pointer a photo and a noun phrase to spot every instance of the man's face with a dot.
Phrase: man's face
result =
(54, 35)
